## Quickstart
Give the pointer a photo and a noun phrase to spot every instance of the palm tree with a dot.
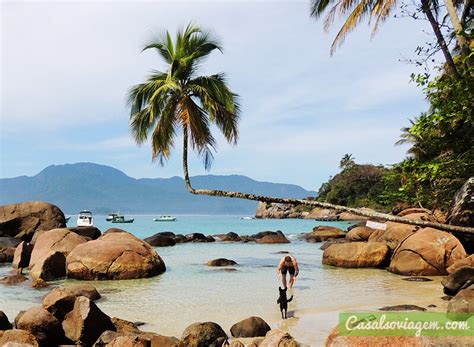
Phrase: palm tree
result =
(179, 100)
(347, 161)
(379, 10)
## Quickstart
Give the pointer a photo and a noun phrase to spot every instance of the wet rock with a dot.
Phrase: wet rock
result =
(115, 255)
(361, 233)
(462, 302)
(229, 237)
(469, 262)
(60, 301)
(250, 327)
(417, 279)
(356, 254)
(209, 238)
(125, 326)
(403, 308)
(18, 337)
(459, 279)
(221, 262)
(21, 258)
(278, 237)
(43, 325)
(6, 254)
(24, 219)
(39, 284)
(86, 322)
(180, 238)
(195, 237)
(4, 322)
(9, 242)
(13, 279)
(159, 240)
(56, 240)
(52, 266)
(427, 252)
(202, 335)
(324, 233)
(277, 337)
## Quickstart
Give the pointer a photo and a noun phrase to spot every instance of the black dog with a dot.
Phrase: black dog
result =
(283, 301)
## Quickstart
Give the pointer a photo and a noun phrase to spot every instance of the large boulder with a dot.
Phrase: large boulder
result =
(4, 322)
(86, 322)
(356, 254)
(24, 219)
(9, 242)
(13, 279)
(22, 256)
(427, 252)
(92, 233)
(324, 233)
(462, 302)
(56, 240)
(277, 237)
(43, 325)
(160, 240)
(273, 210)
(221, 262)
(60, 300)
(469, 262)
(250, 327)
(6, 254)
(393, 235)
(117, 254)
(229, 237)
(461, 211)
(202, 335)
(459, 279)
(18, 337)
(50, 267)
(277, 337)
(322, 213)
(360, 233)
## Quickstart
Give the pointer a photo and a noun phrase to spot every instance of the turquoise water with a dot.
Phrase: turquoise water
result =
(190, 291)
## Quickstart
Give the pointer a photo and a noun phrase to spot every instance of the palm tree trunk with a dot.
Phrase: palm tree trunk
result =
(290, 201)
(458, 29)
(440, 38)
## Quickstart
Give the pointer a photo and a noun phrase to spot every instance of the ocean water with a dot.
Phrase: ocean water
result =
(190, 291)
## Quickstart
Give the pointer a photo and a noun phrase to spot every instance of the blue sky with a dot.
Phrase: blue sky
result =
(66, 68)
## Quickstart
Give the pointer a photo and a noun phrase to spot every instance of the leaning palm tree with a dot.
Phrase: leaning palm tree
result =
(178, 100)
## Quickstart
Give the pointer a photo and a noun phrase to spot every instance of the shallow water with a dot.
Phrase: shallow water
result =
(189, 291)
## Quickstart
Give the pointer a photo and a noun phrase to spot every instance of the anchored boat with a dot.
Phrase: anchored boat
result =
(165, 219)
(85, 219)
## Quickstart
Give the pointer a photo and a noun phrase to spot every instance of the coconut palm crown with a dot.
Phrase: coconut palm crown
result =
(179, 100)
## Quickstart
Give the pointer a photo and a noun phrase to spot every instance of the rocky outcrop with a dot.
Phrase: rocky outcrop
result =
(4, 322)
(13, 279)
(9, 242)
(18, 337)
(202, 335)
(319, 213)
(250, 327)
(229, 237)
(43, 325)
(274, 237)
(393, 235)
(56, 240)
(426, 252)
(92, 233)
(160, 240)
(277, 337)
(360, 233)
(459, 279)
(117, 254)
(221, 262)
(86, 322)
(22, 255)
(461, 211)
(324, 233)
(356, 254)
(23, 220)
(6, 254)
(273, 210)
(50, 267)
(466, 262)
(60, 301)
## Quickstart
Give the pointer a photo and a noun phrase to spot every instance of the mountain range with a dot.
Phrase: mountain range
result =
(103, 189)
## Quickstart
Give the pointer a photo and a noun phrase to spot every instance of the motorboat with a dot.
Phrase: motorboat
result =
(165, 219)
(121, 219)
(247, 218)
(111, 216)
(85, 219)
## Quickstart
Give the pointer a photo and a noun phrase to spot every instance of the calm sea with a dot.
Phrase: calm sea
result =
(190, 291)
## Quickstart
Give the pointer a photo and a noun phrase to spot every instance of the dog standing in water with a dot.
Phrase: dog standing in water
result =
(283, 301)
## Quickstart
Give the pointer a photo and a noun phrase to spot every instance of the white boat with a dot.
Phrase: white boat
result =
(247, 218)
(165, 219)
(85, 219)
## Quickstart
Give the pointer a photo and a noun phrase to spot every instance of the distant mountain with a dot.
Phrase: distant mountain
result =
(103, 189)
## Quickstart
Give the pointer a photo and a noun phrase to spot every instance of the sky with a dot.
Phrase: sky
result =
(66, 68)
